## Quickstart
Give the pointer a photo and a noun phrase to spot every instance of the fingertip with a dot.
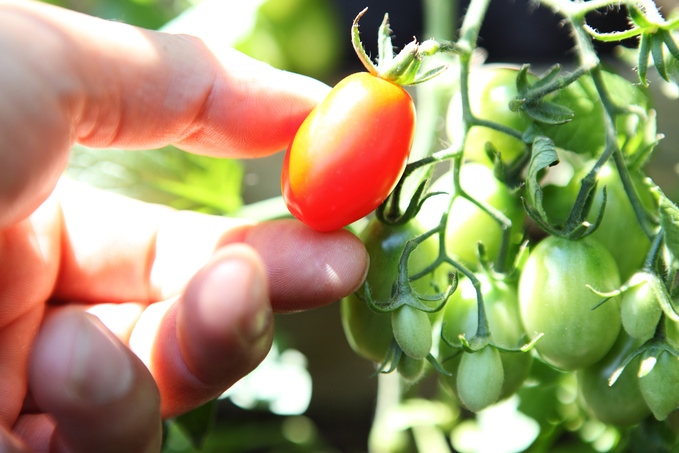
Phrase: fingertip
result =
(218, 331)
(308, 268)
(225, 321)
(83, 376)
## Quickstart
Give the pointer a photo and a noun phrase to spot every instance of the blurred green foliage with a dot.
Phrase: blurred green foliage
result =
(297, 35)
(143, 13)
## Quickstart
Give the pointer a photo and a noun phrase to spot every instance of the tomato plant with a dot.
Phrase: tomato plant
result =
(537, 207)
(502, 309)
(369, 333)
(491, 90)
(467, 223)
(555, 300)
(619, 223)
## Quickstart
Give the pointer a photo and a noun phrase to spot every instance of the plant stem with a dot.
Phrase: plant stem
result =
(618, 158)
(578, 9)
(471, 25)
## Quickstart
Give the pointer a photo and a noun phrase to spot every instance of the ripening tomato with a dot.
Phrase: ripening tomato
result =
(349, 153)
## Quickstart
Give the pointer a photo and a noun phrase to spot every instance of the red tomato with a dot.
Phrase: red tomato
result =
(349, 153)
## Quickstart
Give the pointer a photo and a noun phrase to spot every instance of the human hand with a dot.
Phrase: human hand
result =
(183, 301)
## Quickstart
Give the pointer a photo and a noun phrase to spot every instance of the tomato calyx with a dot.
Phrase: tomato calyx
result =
(576, 225)
(482, 338)
(402, 68)
(403, 293)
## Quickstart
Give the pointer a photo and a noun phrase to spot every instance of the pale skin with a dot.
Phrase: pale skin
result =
(114, 313)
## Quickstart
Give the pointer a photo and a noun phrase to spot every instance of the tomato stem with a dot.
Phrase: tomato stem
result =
(611, 141)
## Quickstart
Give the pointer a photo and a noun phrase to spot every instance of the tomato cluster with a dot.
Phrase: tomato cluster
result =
(585, 304)
(542, 245)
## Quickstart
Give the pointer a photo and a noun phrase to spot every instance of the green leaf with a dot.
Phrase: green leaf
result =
(543, 156)
(548, 112)
(198, 423)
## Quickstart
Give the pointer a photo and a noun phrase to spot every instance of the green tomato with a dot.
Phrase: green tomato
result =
(411, 370)
(490, 91)
(639, 308)
(369, 333)
(619, 231)
(479, 378)
(467, 224)
(554, 301)
(461, 318)
(412, 331)
(622, 403)
(660, 386)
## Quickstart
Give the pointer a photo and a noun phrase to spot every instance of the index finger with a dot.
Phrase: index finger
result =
(76, 78)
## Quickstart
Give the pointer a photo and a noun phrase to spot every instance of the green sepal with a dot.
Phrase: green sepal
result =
(531, 97)
(547, 112)
(644, 53)
(403, 68)
(385, 47)
(657, 50)
(548, 78)
(638, 16)
(522, 84)
(671, 45)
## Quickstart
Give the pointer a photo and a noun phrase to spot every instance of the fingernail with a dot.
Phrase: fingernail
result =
(258, 324)
(245, 287)
(261, 315)
(100, 370)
